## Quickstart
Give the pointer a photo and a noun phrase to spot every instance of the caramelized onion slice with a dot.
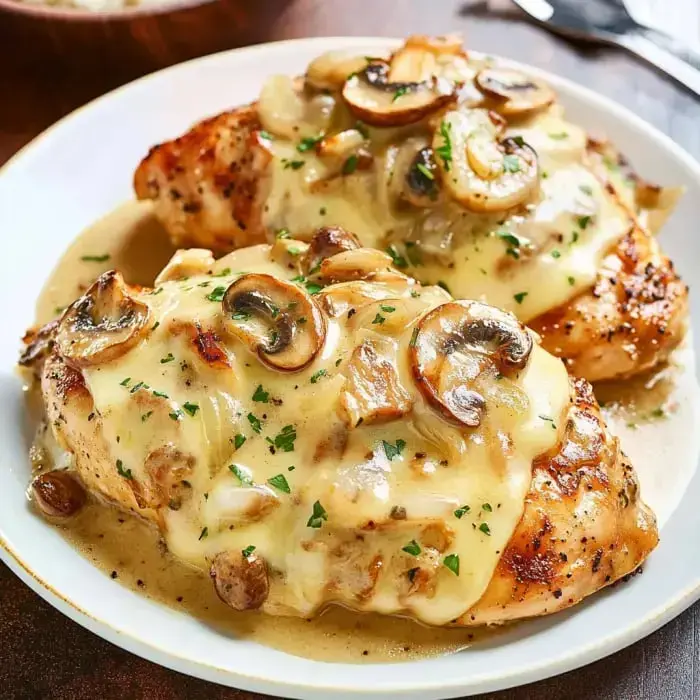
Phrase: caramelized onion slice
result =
(186, 263)
(480, 171)
(103, 324)
(456, 342)
(358, 264)
(240, 579)
(277, 320)
(513, 93)
(327, 242)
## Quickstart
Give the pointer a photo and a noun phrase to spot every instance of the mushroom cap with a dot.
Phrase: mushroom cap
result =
(58, 494)
(103, 324)
(275, 319)
(481, 172)
(512, 93)
(457, 342)
(240, 581)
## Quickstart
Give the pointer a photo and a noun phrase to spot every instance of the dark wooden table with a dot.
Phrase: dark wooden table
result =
(47, 70)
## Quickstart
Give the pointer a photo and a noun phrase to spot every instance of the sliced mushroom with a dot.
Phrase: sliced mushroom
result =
(285, 111)
(359, 264)
(240, 579)
(330, 70)
(327, 242)
(103, 324)
(372, 391)
(275, 319)
(455, 343)
(397, 93)
(38, 344)
(58, 494)
(420, 185)
(512, 93)
(481, 172)
(186, 263)
(167, 467)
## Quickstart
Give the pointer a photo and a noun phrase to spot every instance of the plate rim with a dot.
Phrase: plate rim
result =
(646, 625)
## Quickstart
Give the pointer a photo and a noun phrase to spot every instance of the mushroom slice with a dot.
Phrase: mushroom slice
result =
(331, 69)
(58, 494)
(359, 264)
(373, 392)
(420, 186)
(186, 263)
(103, 324)
(481, 172)
(378, 98)
(38, 344)
(275, 319)
(455, 343)
(512, 93)
(327, 242)
(240, 579)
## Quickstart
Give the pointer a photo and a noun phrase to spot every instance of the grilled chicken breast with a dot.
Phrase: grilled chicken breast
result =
(315, 427)
(467, 173)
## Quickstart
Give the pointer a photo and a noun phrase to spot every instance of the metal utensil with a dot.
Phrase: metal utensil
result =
(608, 21)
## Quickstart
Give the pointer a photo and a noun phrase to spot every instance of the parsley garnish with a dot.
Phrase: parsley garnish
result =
(392, 451)
(125, 382)
(239, 440)
(556, 254)
(282, 233)
(317, 375)
(191, 408)
(241, 474)
(350, 165)
(146, 416)
(175, 415)
(293, 164)
(451, 561)
(313, 287)
(518, 140)
(266, 135)
(519, 297)
(280, 483)
(318, 515)
(378, 320)
(487, 507)
(572, 280)
(255, 423)
(260, 395)
(425, 171)
(126, 473)
(414, 338)
(398, 259)
(485, 528)
(168, 358)
(511, 164)
(400, 92)
(161, 394)
(96, 258)
(387, 309)
(248, 550)
(308, 143)
(445, 151)
(586, 189)
(583, 221)
(284, 440)
(217, 294)
(136, 387)
(203, 533)
(412, 548)
(559, 136)
(461, 512)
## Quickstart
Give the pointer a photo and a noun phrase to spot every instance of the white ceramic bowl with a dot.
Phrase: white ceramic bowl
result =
(82, 168)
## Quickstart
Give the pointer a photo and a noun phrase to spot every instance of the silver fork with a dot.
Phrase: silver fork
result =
(608, 21)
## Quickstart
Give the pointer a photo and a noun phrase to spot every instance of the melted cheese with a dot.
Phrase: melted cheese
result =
(563, 232)
(356, 557)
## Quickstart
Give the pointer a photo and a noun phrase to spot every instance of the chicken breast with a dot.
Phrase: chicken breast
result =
(483, 187)
(314, 427)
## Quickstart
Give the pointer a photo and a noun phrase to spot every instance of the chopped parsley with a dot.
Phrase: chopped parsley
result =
(225, 272)
(574, 237)
(400, 92)
(559, 136)
(248, 550)
(308, 143)
(283, 233)
(126, 473)
(425, 171)
(451, 561)
(160, 395)
(415, 294)
(387, 309)
(317, 375)
(146, 416)
(398, 259)
(175, 415)
(191, 408)
(255, 423)
(518, 140)
(511, 164)
(203, 533)
(217, 294)
(583, 221)
(392, 451)
(378, 320)
(137, 386)
(238, 440)
(461, 512)
(313, 287)
(266, 135)
(586, 189)
(293, 164)
(284, 440)
(519, 297)
(350, 165)
(168, 358)
(556, 254)
(280, 483)
(260, 395)
(96, 258)
(241, 316)
(242, 474)
(485, 528)
(509, 238)
(414, 338)
(318, 515)
(487, 507)
(572, 280)
(412, 548)
(445, 151)
(125, 382)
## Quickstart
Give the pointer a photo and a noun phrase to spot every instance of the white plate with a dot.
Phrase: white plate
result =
(82, 168)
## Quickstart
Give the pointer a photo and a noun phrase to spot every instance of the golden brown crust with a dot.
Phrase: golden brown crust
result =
(631, 320)
(584, 525)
